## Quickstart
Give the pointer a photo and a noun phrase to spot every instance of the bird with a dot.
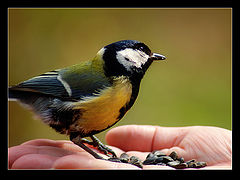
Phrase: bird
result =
(87, 98)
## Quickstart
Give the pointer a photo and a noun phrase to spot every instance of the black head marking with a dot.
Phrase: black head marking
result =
(114, 68)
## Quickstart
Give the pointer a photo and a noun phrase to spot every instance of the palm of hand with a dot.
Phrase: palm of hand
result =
(209, 144)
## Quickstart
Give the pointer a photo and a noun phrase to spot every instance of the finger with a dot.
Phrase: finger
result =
(131, 137)
(144, 137)
(47, 142)
(40, 142)
(86, 162)
(63, 144)
(16, 152)
(34, 161)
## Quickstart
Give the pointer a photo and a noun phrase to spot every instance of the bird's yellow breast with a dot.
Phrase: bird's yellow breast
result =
(102, 111)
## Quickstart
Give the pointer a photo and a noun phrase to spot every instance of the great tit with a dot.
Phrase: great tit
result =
(87, 98)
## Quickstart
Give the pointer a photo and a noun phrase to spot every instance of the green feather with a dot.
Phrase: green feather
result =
(86, 78)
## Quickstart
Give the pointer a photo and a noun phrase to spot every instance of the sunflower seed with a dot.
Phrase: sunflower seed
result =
(124, 158)
(135, 161)
(174, 155)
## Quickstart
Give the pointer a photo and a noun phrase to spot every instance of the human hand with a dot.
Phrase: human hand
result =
(209, 144)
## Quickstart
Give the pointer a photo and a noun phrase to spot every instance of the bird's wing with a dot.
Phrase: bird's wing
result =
(73, 83)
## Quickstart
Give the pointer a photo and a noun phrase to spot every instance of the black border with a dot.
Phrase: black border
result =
(130, 4)
(122, 3)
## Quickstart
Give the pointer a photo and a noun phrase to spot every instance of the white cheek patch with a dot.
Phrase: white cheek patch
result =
(130, 57)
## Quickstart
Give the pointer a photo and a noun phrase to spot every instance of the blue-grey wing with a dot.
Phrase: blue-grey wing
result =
(46, 83)
(61, 84)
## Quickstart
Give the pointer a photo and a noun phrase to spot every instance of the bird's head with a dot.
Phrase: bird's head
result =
(127, 57)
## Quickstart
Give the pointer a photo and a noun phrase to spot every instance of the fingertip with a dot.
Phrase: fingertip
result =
(145, 137)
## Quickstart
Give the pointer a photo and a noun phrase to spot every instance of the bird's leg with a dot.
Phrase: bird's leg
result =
(78, 141)
(101, 147)
(83, 140)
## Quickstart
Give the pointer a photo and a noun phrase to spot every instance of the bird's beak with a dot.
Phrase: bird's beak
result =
(156, 57)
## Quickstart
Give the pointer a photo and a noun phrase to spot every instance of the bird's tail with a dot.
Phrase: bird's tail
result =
(15, 94)
(22, 95)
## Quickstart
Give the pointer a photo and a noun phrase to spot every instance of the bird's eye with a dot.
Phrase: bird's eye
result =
(144, 49)
(141, 48)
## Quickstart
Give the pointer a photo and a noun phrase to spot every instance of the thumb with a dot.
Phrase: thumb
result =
(144, 137)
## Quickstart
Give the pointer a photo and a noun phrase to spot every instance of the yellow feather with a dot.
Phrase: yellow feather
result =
(102, 111)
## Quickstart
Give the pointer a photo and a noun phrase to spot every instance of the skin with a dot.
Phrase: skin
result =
(203, 143)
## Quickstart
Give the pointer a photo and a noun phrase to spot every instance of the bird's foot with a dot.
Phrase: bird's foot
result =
(103, 148)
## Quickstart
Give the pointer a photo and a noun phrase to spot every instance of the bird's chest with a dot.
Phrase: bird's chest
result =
(102, 111)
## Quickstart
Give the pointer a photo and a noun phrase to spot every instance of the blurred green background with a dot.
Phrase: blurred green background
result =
(193, 87)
